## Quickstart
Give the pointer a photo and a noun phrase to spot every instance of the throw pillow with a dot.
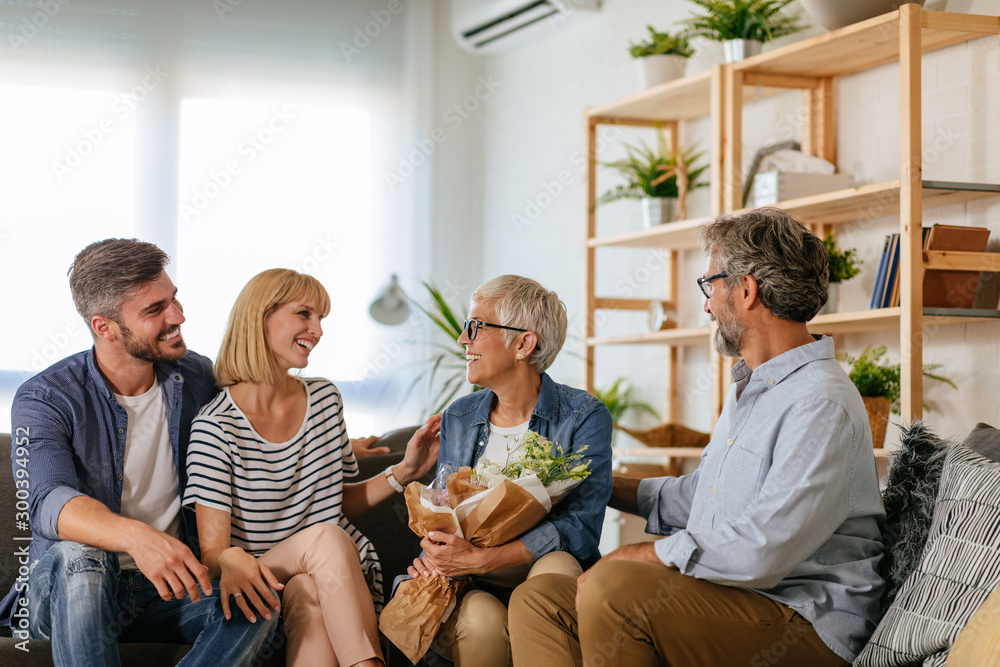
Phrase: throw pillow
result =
(959, 568)
(984, 440)
(910, 493)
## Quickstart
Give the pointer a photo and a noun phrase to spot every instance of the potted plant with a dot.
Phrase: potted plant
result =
(661, 178)
(447, 365)
(844, 265)
(662, 57)
(619, 399)
(878, 383)
(742, 25)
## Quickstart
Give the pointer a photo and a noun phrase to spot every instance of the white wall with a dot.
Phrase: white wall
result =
(531, 202)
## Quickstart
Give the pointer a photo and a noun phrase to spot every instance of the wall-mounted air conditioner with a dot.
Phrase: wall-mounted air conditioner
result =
(484, 26)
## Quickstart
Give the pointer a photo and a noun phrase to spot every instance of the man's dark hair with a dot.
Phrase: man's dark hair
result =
(107, 273)
(789, 262)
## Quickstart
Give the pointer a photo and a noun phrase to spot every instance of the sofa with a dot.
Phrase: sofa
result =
(386, 527)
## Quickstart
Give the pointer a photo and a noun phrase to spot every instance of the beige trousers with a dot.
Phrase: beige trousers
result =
(326, 605)
(475, 635)
(636, 614)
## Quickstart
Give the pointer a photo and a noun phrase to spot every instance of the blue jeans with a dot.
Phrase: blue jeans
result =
(80, 600)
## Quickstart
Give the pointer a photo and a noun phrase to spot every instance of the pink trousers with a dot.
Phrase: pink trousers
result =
(326, 604)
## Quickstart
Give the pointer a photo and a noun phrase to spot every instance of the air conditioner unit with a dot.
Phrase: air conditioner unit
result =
(486, 26)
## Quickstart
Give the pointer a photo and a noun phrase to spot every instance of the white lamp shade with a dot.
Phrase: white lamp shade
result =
(390, 307)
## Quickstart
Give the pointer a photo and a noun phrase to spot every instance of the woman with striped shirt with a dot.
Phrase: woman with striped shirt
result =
(265, 473)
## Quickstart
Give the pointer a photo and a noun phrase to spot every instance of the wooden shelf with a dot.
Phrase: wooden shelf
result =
(677, 100)
(879, 319)
(864, 45)
(864, 202)
(664, 454)
(673, 337)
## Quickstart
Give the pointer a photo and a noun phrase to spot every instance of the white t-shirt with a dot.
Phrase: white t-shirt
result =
(504, 441)
(149, 487)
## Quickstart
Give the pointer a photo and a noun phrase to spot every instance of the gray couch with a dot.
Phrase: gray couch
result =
(386, 527)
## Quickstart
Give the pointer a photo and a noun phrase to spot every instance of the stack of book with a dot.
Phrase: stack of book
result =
(942, 289)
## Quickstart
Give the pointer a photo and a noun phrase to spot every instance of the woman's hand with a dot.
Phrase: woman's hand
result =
(246, 578)
(453, 556)
(362, 447)
(421, 452)
(421, 569)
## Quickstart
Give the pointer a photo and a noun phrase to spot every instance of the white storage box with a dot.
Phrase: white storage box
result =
(772, 187)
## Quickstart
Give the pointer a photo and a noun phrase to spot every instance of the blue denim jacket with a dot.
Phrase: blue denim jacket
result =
(567, 416)
(74, 430)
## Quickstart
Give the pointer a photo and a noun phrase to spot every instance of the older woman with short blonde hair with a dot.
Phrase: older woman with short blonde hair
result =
(515, 329)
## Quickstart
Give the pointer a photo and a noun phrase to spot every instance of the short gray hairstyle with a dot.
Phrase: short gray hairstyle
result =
(523, 303)
(790, 263)
(107, 273)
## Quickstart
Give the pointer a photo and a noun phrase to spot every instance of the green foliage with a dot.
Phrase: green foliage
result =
(760, 20)
(643, 166)
(542, 457)
(662, 44)
(619, 398)
(875, 377)
(844, 265)
(448, 365)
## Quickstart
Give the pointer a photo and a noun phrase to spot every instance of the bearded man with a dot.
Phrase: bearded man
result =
(769, 550)
(101, 438)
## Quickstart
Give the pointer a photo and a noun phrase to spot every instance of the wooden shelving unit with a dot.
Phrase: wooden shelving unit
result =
(720, 94)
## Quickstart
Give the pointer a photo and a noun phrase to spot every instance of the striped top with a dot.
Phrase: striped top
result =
(273, 490)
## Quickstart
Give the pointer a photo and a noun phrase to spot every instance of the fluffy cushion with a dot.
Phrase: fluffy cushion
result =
(909, 497)
(959, 568)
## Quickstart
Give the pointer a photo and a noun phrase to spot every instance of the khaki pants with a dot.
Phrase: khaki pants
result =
(475, 635)
(636, 614)
(326, 605)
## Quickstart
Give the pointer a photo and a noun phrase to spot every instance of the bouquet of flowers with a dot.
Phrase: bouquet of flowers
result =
(488, 506)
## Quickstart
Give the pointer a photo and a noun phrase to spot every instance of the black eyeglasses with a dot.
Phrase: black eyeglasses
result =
(705, 283)
(472, 328)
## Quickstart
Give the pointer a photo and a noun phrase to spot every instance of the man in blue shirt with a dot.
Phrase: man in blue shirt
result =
(102, 437)
(770, 548)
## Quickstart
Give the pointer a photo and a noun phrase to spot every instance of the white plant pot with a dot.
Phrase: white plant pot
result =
(833, 14)
(658, 211)
(832, 299)
(655, 70)
(735, 50)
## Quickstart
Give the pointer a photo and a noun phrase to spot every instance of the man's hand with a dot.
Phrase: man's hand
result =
(363, 447)
(452, 556)
(644, 552)
(421, 452)
(246, 579)
(167, 563)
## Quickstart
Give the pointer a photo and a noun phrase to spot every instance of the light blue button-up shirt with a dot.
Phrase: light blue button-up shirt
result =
(786, 499)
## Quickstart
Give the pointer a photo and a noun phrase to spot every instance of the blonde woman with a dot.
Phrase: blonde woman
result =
(265, 473)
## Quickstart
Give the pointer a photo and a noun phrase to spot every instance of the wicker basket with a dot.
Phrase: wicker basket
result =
(878, 417)
(669, 435)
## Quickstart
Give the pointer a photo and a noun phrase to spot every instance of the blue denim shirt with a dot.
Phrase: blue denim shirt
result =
(786, 499)
(74, 430)
(567, 416)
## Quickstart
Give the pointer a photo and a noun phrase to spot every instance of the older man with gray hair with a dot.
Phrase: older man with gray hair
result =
(770, 548)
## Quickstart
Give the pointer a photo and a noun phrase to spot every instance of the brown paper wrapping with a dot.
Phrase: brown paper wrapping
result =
(413, 617)
(413, 632)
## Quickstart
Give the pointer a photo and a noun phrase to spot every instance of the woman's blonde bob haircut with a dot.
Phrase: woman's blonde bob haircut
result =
(523, 303)
(245, 355)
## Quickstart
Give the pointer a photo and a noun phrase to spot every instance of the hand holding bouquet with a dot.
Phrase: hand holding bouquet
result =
(488, 507)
